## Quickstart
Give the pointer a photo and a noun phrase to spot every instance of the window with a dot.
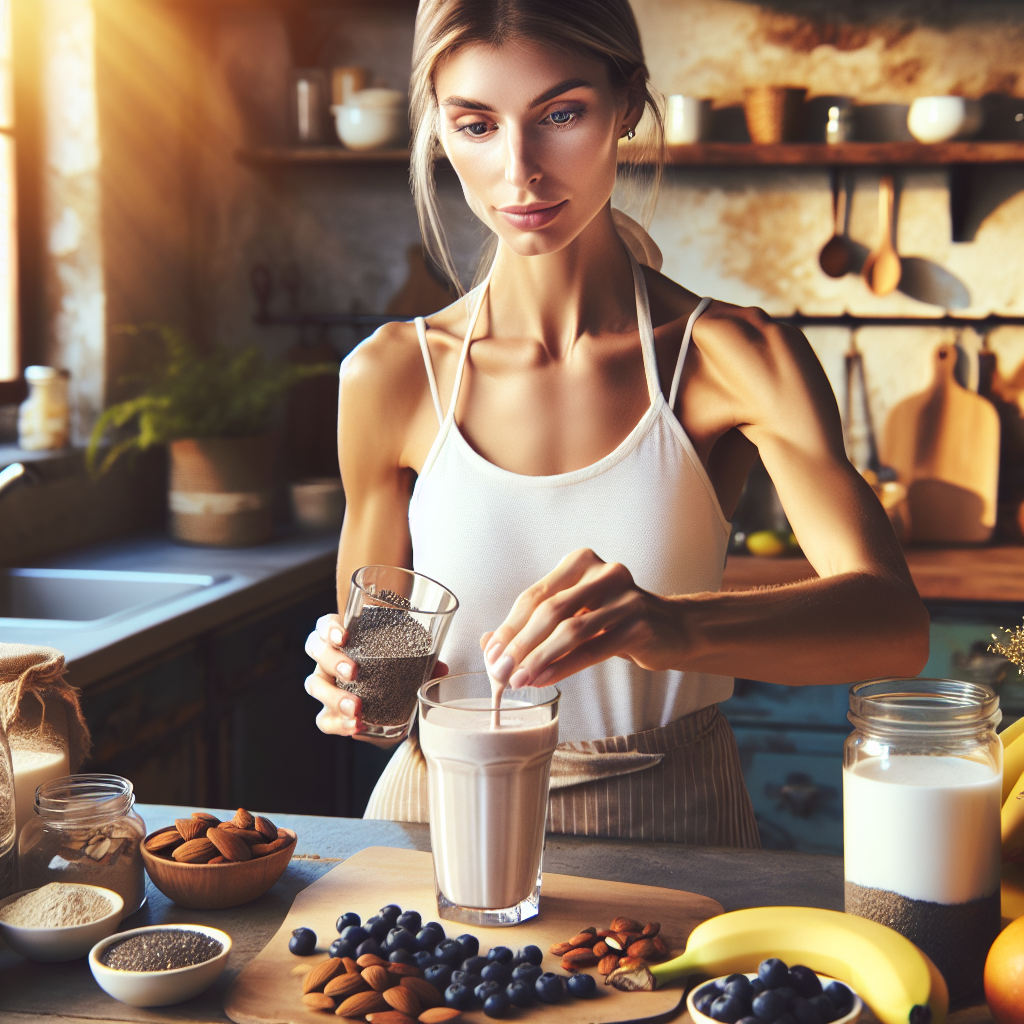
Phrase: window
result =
(10, 363)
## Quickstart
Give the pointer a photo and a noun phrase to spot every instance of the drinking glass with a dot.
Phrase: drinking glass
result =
(397, 620)
(488, 792)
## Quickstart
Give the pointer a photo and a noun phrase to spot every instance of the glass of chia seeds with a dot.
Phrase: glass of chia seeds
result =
(397, 620)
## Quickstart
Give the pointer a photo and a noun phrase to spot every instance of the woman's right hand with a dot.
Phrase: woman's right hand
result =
(340, 714)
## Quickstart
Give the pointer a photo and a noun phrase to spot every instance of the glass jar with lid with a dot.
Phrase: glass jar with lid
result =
(922, 781)
(85, 829)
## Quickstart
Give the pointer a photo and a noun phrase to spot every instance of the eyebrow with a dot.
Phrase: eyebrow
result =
(557, 90)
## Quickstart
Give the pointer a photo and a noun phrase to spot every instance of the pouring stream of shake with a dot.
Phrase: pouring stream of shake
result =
(497, 689)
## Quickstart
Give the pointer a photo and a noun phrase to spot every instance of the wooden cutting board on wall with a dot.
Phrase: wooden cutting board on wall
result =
(266, 992)
(944, 444)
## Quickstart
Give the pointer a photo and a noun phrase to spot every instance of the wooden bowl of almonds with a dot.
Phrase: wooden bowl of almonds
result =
(207, 864)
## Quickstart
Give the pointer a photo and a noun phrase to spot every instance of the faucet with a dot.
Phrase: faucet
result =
(11, 474)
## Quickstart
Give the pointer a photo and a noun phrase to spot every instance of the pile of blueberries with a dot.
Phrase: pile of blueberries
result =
(778, 995)
(497, 982)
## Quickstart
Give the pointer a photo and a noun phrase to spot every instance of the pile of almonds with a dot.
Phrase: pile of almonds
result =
(625, 943)
(205, 839)
(374, 989)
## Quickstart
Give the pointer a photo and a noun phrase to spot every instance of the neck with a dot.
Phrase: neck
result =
(556, 298)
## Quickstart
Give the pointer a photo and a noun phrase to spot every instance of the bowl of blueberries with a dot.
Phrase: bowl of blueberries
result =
(777, 994)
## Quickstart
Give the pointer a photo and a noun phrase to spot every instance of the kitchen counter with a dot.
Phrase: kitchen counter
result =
(247, 579)
(941, 574)
(736, 878)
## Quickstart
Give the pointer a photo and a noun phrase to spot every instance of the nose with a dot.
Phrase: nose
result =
(521, 167)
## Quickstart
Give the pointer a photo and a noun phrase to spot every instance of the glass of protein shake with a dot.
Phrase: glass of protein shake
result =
(397, 620)
(922, 779)
(487, 778)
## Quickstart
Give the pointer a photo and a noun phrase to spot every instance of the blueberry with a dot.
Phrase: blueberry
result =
(825, 1008)
(449, 952)
(377, 927)
(410, 921)
(496, 971)
(355, 934)
(466, 978)
(437, 926)
(805, 981)
(840, 997)
(429, 936)
(347, 921)
(500, 953)
(402, 956)
(487, 988)
(390, 913)
(768, 1006)
(459, 997)
(805, 1011)
(340, 947)
(520, 993)
(739, 985)
(702, 1004)
(399, 938)
(728, 1008)
(785, 1018)
(527, 972)
(757, 986)
(302, 942)
(369, 946)
(773, 972)
(475, 963)
(424, 959)
(440, 976)
(531, 954)
(470, 944)
(548, 987)
(582, 986)
(748, 1020)
(787, 993)
(496, 1004)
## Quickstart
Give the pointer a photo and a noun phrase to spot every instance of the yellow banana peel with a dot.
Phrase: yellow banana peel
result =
(1013, 764)
(1012, 821)
(1011, 732)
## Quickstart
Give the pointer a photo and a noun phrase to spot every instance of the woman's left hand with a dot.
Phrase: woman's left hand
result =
(585, 611)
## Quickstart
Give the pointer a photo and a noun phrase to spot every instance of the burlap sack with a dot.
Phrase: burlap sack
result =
(35, 700)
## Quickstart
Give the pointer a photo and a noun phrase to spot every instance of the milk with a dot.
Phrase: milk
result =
(488, 789)
(924, 827)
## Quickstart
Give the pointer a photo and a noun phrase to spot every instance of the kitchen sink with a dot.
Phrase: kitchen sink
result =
(88, 598)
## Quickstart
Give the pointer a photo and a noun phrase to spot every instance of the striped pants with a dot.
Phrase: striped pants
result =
(678, 783)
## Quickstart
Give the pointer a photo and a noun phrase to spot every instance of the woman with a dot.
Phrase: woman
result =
(563, 446)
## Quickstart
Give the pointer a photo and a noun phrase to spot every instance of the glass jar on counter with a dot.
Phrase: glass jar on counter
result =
(922, 781)
(44, 418)
(85, 829)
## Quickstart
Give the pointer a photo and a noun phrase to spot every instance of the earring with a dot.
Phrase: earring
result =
(631, 134)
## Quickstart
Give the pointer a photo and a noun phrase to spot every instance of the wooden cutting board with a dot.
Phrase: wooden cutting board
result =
(266, 992)
(944, 444)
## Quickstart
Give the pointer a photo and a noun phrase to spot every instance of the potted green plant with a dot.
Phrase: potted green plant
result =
(212, 409)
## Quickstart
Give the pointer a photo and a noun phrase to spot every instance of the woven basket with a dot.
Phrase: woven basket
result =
(774, 113)
(221, 491)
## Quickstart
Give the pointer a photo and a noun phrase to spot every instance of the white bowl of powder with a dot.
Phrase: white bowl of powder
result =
(59, 921)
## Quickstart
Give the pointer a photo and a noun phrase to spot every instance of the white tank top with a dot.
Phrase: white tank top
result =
(487, 534)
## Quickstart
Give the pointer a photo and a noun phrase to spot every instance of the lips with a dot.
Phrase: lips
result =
(533, 215)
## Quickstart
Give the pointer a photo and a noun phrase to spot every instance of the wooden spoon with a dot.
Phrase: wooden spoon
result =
(835, 258)
(882, 269)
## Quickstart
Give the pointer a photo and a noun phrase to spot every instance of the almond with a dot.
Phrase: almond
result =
(372, 960)
(218, 860)
(660, 945)
(650, 930)
(603, 933)
(584, 938)
(642, 949)
(578, 958)
(212, 819)
(600, 948)
(351, 967)
(361, 1003)
(318, 1001)
(242, 819)
(195, 851)
(390, 1017)
(250, 835)
(438, 1015)
(321, 974)
(404, 1000)
(627, 938)
(427, 995)
(379, 978)
(631, 961)
(405, 970)
(613, 943)
(560, 948)
(263, 849)
(189, 828)
(344, 985)
(608, 964)
(164, 842)
(266, 828)
(626, 924)
(229, 845)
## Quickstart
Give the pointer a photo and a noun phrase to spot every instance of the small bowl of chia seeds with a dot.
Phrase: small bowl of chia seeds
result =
(161, 964)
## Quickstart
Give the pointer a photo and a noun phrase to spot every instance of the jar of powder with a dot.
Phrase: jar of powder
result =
(85, 829)
(922, 780)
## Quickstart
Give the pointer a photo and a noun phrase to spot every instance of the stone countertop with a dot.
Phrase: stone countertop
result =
(248, 579)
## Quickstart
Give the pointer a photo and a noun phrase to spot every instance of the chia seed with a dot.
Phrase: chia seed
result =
(161, 951)
(956, 936)
(393, 652)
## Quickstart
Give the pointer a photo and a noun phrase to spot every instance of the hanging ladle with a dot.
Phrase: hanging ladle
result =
(836, 257)
(882, 269)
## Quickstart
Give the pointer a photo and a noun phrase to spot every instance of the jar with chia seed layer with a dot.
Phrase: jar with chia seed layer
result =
(922, 780)
(85, 829)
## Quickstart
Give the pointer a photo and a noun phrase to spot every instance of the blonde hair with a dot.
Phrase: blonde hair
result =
(602, 29)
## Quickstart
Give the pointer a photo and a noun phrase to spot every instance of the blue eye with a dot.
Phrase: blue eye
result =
(561, 116)
(477, 128)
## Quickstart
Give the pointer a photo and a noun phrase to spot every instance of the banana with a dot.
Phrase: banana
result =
(1011, 732)
(889, 972)
(1013, 764)
(1012, 892)
(1012, 822)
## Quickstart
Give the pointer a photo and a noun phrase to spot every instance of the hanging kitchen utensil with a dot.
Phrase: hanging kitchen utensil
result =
(858, 428)
(944, 444)
(882, 269)
(836, 257)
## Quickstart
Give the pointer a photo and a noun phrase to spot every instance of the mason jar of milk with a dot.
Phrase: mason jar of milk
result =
(922, 779)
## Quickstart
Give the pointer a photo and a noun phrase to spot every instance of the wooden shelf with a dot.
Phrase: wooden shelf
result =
(320, 155)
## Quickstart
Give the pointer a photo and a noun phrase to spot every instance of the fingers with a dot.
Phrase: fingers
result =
(334, 663)
(331, 630)
(341, 710)
(606, 645)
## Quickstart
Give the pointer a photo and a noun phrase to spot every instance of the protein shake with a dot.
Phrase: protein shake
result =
(488, 791)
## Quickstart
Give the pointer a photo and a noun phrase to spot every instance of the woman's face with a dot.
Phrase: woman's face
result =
(532, 133)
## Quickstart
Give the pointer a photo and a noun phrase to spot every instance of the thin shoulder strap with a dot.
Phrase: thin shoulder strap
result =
(643, 319)
(421, 333)
(474, 316)
(678, 375)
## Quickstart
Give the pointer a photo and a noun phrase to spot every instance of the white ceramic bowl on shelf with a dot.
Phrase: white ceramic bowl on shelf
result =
(372, 119)
(702, 1018)
(159, 988)
(51, 945)
(941, 118)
